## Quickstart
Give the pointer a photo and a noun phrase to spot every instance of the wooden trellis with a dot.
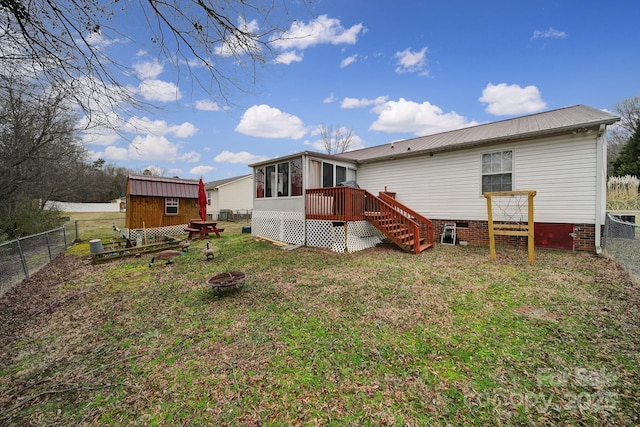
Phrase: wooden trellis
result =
(511, 218)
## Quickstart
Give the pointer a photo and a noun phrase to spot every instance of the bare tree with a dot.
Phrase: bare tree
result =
(620, 133)
(336, 139)
(62, 42)
(39, 150)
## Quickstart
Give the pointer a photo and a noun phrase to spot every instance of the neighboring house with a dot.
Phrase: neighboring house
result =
(440, 179)
(232, 194)
(154, 201)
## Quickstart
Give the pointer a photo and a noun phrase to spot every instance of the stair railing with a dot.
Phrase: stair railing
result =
(396, 223)
(425, 224)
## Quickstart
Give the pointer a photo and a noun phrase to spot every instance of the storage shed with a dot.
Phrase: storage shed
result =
(154, 201)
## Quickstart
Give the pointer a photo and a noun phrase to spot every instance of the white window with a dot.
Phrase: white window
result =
(497, 171)
(171, 205)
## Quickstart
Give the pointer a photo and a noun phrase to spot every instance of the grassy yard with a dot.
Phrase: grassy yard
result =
(94, 225)
(378, 337)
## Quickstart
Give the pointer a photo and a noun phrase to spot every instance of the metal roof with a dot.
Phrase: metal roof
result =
(575, 118)
(157, 186)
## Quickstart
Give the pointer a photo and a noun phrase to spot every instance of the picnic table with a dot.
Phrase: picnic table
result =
(202, 228)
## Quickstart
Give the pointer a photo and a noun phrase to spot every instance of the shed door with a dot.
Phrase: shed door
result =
(557, 236)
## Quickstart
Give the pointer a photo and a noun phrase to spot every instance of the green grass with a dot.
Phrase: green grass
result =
(378, 337)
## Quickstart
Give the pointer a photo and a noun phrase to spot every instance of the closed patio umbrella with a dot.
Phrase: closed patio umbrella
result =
(202, 200)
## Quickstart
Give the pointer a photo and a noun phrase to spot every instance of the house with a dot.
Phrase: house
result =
(233, 195)
(154, 201)
(428, 182)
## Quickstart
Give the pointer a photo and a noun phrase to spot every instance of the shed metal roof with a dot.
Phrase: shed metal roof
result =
(155, 186)
(578, 117)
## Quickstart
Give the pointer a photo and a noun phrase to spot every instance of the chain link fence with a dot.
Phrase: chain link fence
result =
(622, 241)
(21, 258)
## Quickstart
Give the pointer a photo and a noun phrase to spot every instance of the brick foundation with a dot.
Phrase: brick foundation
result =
(477, 234)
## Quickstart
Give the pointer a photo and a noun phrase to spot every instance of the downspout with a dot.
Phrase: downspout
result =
(601, 185)
(305, 183)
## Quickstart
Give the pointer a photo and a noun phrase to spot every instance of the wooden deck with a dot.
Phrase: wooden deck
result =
(405, 227)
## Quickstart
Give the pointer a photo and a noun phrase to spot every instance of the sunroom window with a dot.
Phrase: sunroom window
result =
(279, 180)
(296, 177)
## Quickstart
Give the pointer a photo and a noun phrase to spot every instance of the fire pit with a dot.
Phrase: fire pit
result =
(226, 280)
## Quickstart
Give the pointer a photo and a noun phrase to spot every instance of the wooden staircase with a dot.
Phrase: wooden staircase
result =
(405, 227)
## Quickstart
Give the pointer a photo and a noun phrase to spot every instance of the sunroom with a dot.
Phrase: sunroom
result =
(313, 199)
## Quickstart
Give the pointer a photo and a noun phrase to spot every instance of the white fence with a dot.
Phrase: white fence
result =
(83, 207)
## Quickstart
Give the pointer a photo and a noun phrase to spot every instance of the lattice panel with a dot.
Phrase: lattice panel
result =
(152, 234)
(362, 235)
(319, 234)
(281, 226)
(290, 227)
(338, 239)
(364, 229)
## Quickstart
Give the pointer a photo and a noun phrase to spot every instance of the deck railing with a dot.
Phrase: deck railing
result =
(335, 204)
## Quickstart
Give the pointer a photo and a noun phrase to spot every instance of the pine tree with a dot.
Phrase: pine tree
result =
(628, 162)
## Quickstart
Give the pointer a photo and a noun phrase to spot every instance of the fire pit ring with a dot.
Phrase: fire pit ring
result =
(228, 279)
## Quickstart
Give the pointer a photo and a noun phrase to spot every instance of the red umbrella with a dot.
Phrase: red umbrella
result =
(202, 200)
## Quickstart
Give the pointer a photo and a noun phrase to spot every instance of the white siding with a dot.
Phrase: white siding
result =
(562, 170)
(281, 204)
(213, 196)
(236, 195)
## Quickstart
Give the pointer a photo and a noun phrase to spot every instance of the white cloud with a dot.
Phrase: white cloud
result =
(348, 61)
(100, 136)
(191, 157)
(115, 153)
(329, 99)
(505, 100)
(158, 90)
(419, 119)
(268, 122)
(241, 157)
(412, 62)
(321, 30)
(201, 170)
(184, 130)
(348, 103)
(148, 70)
(288, 57)
(207, 105)
(551, 33)
(159, 127)
(152, 147)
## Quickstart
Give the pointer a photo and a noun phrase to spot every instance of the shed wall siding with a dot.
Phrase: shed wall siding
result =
(448, 185)
(148, 212)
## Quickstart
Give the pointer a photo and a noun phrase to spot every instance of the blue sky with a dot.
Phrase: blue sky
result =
(386, 70)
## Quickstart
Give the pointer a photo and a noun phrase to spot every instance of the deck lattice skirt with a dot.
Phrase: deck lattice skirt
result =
(290, 227)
